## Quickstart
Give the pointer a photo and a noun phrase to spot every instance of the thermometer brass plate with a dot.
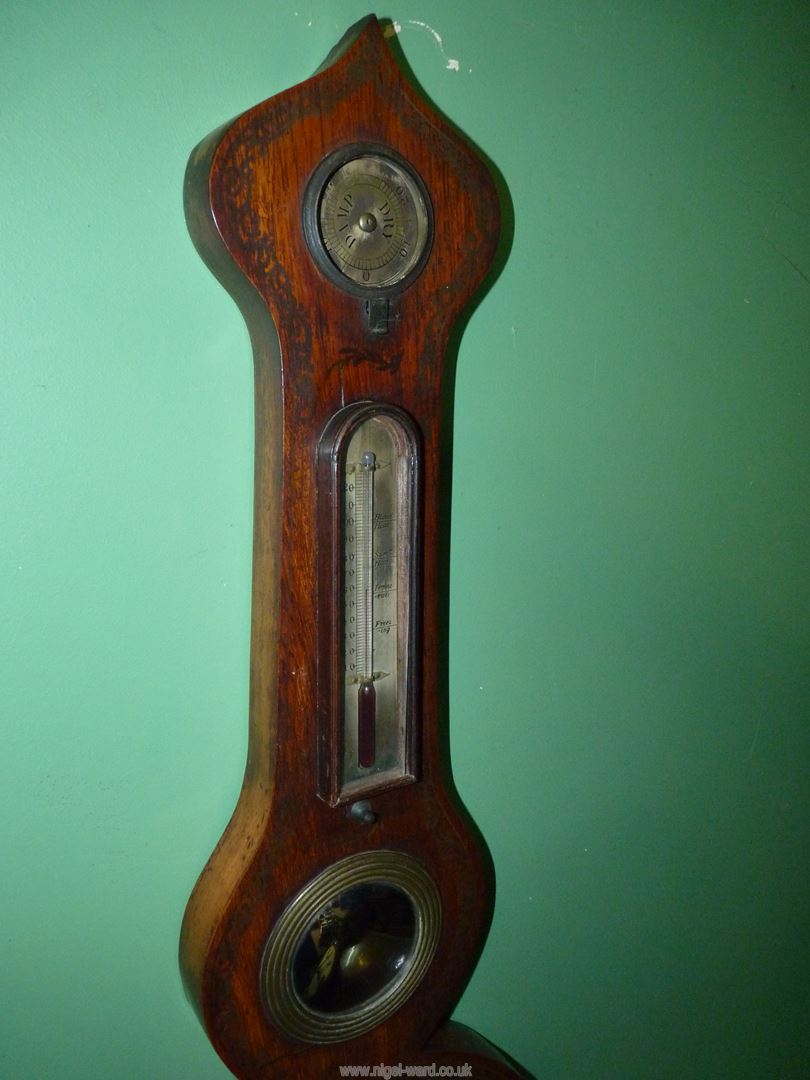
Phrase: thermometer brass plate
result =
(342, 912)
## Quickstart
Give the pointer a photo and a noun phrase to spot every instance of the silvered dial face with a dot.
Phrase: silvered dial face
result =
(373, 221)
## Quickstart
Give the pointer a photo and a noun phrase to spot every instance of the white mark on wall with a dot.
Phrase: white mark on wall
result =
(396, 28)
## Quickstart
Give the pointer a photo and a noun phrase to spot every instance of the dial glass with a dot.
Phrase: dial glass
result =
(373, 221)
(354, 947)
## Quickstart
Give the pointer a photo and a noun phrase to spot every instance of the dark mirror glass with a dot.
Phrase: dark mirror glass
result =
(355, 946)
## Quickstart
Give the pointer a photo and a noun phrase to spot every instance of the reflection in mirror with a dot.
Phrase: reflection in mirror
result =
(357, 945)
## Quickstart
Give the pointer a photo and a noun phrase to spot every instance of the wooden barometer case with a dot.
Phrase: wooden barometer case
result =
(341, 914)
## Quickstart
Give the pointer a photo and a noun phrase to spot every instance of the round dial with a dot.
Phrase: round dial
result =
(368, 221)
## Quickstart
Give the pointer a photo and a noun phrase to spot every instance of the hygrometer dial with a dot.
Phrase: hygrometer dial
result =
(367, 220)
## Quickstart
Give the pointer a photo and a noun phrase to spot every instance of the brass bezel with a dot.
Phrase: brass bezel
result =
(310, 217)
(283, 1005)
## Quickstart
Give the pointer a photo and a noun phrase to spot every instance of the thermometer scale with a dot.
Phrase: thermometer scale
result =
(342, 912)
(364, 619)
(369, 586)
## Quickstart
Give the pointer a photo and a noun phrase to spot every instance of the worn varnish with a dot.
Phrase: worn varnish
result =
(314, 352)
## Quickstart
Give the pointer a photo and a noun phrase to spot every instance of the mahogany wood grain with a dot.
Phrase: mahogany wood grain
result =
(314, 353)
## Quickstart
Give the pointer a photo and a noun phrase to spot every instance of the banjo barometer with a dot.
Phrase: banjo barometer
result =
(340, 916)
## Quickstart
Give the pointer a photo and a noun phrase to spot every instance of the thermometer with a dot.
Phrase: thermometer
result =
(371, 468)
(369, 569)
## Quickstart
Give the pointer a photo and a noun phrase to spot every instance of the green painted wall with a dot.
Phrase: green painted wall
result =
(629, 590)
